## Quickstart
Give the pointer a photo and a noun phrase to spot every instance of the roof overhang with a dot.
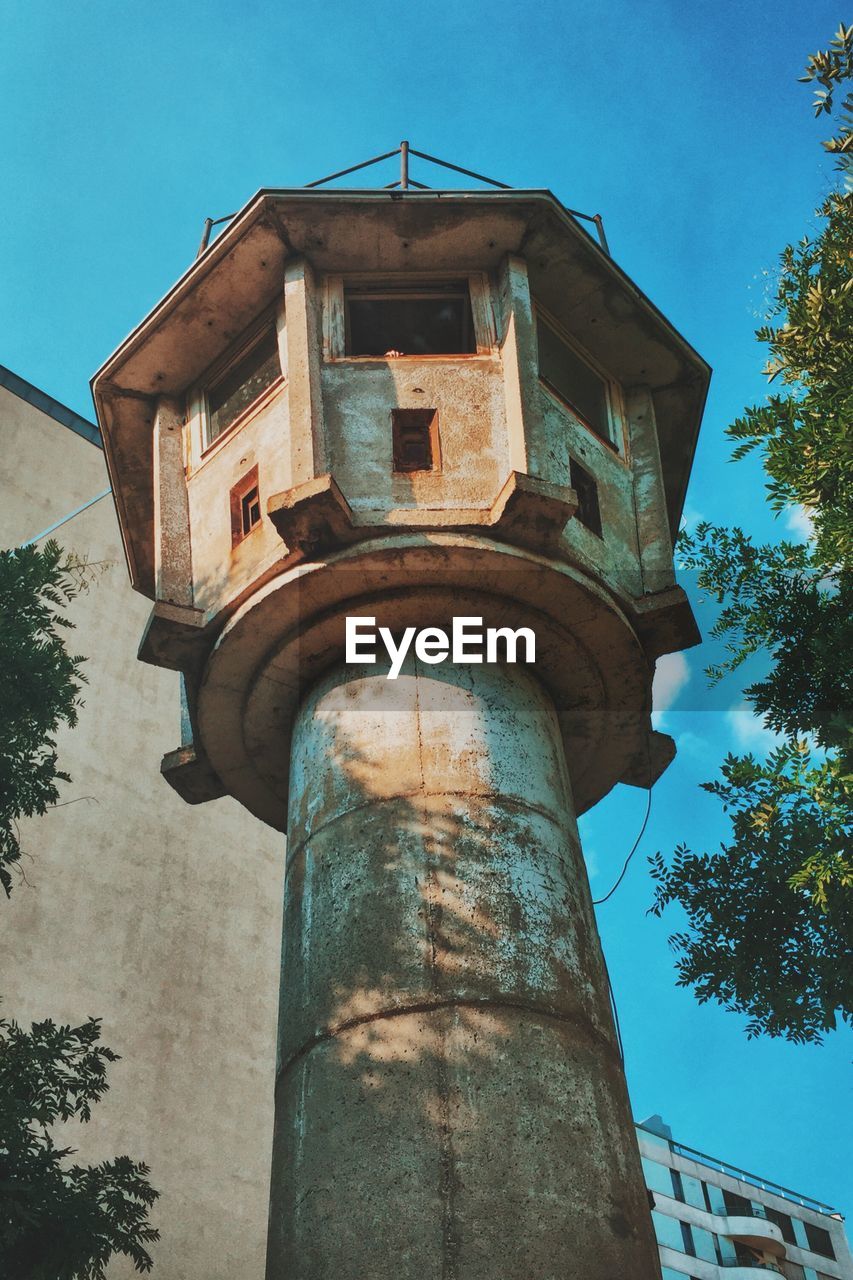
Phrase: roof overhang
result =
(352, 230)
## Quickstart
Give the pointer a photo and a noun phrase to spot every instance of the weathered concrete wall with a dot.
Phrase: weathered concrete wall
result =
(468, 394)
(614, 556)
(220, 572)
(163, 920)
(450, 1102)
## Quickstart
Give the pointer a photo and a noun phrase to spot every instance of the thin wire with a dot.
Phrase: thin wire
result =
(59, 523)
(619, 1042)
(596, 902)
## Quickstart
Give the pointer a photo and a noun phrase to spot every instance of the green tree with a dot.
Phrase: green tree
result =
(770, 914)
(58, 1221)
(39, 687)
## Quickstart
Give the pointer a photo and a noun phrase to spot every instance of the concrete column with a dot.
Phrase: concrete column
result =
(449, 1099)
(305, 399)
(172, 549)
(519, 355)
(655, 541)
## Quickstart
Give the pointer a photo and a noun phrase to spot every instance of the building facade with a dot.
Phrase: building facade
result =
(714, 1220)
(168, 931)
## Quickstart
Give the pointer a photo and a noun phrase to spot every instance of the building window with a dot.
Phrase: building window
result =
(245, 506)
(819, 1240)
(415, 441)
(783, 1222)
(242, 384)
(409, 319)
(588, 512)
(573, 380)
(737, 1206)
(668, 1231)
(658, 1176)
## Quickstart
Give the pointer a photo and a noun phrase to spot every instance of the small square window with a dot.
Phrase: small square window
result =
(244, 382)
(588, 512)
(245, 506)
(422, 319)
(415, 439)
(250, 510)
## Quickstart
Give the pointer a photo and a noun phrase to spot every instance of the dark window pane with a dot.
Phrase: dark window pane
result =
(567, 374)
(819, 1241)
(245, 505)
(737, 1206)
(415, 439)
(241, 385)
(687, 1237)
(784, 1223)
(589, 514)
(250, 510)
(412, 323)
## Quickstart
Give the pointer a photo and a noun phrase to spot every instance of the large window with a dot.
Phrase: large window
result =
(819, 1240)
(669, 1232)
(241, 384)
(657, 1176)
(573, 380)
(784, 1223)
(413, 319)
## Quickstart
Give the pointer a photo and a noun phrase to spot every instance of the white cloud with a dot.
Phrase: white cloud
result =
(750, 731)
(671, 675)
(693, 745)
(690, 517)
(798, 520)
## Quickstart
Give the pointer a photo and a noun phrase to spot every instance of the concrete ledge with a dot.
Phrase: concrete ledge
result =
(647, 766)
(665, 622)
(312, 517)
(532, 512)
(315, 517)
(189, 772)
(172, 636)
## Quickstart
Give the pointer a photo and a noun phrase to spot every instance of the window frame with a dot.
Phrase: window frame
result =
(616, 438)
(260, 328)
(238, 494)
(401, 284)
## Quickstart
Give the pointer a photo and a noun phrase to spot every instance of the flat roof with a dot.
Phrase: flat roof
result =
(742, 1175)
(52, 408)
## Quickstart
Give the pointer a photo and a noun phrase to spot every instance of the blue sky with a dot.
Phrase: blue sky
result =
(684, 125)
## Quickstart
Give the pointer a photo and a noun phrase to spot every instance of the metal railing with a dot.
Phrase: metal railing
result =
(753, 1263)
(743, 1175)
(405, 182)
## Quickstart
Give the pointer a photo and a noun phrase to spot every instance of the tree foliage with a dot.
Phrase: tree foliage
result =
(831, 68)
(39, 686)
(770, 914)
(58, 1221)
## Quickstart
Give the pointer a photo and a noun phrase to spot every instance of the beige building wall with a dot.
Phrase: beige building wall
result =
(160, 918)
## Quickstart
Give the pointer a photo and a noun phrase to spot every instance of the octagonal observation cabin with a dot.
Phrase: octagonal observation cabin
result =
(462, 372)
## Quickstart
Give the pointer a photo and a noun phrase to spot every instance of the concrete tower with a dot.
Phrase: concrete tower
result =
(412, 407)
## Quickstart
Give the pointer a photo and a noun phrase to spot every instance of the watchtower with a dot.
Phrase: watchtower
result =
(410, 406)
